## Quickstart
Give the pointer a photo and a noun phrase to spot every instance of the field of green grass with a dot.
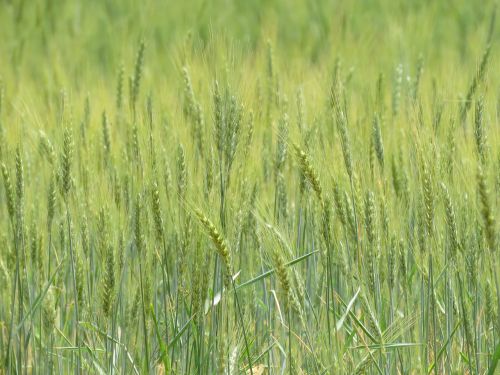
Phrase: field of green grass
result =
(249, 187)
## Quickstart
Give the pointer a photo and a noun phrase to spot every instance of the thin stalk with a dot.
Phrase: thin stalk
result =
(290, 367)
(73, 273)
(247, 348)
(145, 327)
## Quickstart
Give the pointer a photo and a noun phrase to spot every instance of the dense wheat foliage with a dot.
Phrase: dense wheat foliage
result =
(249, 187)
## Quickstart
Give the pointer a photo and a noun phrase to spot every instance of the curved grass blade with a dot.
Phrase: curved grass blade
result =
(271, 271)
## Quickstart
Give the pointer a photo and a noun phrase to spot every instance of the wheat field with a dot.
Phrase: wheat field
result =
(249, 187)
